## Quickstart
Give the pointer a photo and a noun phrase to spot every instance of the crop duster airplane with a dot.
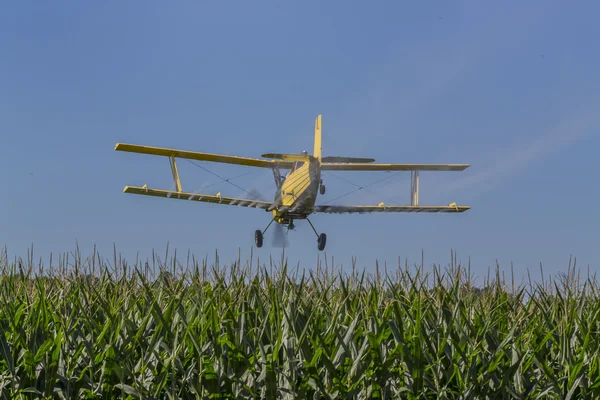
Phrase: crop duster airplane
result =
(296, 192)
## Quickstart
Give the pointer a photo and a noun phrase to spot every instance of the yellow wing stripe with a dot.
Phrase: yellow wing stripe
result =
(193, 155)
(382, 208)
(231, 201)
(393, 167)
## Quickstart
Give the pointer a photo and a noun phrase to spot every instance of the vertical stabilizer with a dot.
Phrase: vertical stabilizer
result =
(317, 150)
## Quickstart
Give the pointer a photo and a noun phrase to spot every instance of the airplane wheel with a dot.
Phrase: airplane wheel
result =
(322, 189)
(321, 241)
(258, 238)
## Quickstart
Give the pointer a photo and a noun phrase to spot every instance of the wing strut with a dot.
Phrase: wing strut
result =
(414, 188)
(381, 207)
(175, 173)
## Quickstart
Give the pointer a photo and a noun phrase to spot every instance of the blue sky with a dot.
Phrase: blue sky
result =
(510, 87)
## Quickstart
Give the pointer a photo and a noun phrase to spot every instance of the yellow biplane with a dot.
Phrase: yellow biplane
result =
(296, 192)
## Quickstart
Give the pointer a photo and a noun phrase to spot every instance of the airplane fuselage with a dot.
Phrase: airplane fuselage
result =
(298, 191)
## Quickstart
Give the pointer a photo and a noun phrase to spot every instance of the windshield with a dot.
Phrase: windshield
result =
(297, 164)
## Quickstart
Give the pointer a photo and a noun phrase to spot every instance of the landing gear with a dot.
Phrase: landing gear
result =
(258, 235)
(258, 238)
(321, 187)
(321, 239)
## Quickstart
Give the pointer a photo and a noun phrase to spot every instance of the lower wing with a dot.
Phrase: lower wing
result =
(231, 201)
(383, 208)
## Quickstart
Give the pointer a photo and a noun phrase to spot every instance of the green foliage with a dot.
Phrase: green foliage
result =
(96, 330)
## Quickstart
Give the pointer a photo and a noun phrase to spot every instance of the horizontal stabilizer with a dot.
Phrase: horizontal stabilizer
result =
(287, 157)
(383, 208)
(193, 155)
(333, 159)
(393, 167)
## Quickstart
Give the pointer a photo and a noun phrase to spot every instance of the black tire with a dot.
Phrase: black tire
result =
(258, 238)
(322, 189)
(322, 241)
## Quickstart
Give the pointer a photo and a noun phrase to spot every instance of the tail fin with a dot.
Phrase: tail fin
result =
(317, 150)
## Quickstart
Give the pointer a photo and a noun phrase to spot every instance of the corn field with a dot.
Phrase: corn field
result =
(101, 328)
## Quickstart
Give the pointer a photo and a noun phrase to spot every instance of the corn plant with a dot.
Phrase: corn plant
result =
(98, 328)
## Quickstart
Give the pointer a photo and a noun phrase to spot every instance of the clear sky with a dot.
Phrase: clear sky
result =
(511, 88)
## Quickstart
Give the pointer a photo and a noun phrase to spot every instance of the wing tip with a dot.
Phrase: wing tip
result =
(134, 148)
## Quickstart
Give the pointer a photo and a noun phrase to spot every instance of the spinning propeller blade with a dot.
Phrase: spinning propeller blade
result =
(279, 234)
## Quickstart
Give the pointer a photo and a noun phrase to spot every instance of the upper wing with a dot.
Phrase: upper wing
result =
(384, 208)
(393, 167)
(159, 151)
(335, 159)
(265, 205)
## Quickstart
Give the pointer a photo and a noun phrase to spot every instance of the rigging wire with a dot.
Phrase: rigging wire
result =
(227, 180)
(235, 177)
(359, 187)
(347, 181)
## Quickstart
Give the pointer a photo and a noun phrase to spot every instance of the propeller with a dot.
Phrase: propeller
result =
(279, 236)
(279, 232)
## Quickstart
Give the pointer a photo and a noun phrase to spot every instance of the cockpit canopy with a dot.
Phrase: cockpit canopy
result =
(297, 164)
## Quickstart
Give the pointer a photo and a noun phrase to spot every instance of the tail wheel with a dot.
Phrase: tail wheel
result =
(258, 238)
(321, 241)
(322, 189)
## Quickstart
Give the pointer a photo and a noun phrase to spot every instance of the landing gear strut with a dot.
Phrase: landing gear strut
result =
(321, 239)
(258, 235)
